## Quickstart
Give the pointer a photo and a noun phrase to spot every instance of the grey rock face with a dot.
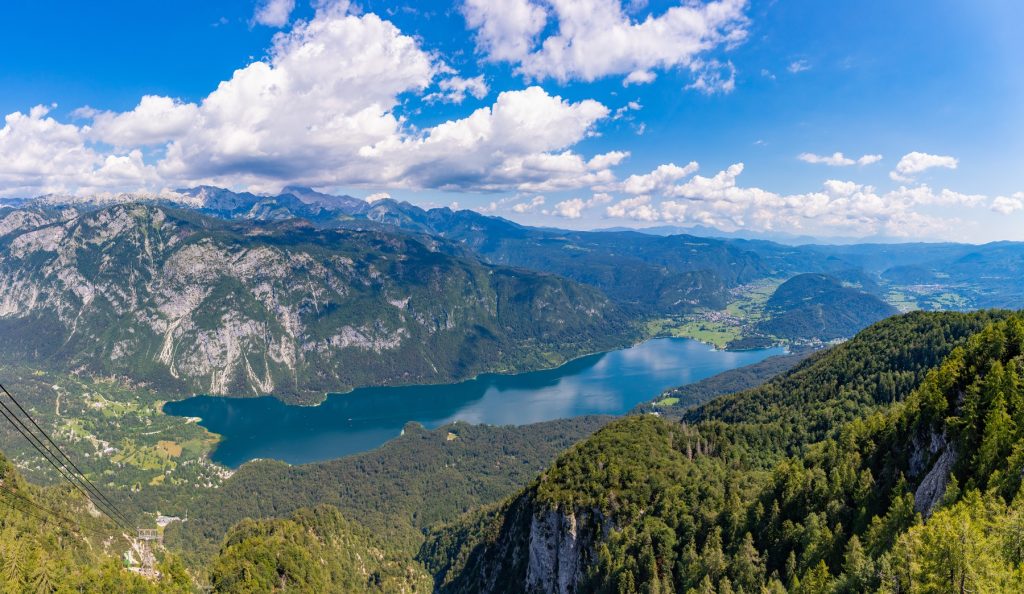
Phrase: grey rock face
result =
(933, 485)
(191, 303)
(561, 550)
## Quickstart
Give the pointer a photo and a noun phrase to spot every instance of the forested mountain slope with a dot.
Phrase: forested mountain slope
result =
(414, 481)
(313, 550)
(647, 505)
(53, 540)
(819, 306)
(190, 303)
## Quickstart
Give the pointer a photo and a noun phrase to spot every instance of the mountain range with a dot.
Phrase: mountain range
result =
(192, 303)
(206, 290)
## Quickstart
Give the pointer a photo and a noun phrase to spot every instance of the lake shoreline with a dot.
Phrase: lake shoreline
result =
(478, 375)
(607, 383)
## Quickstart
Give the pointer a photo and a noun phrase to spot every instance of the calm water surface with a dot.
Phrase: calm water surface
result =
(607, 383)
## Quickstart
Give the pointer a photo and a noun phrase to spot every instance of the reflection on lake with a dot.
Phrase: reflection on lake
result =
(606, 383)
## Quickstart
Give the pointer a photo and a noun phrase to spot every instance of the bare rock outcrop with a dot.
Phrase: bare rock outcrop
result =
(933, 486)
(561, 550)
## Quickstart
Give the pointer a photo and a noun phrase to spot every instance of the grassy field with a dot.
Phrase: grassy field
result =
(720, 328)
(117, 434)
(928, 297)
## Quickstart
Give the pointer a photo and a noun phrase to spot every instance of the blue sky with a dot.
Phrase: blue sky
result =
(470, 102)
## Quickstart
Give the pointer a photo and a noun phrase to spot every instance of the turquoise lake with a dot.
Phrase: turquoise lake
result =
(606, 383)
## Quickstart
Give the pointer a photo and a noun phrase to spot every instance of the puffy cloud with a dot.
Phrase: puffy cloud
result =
(606, 160)
(639, 77)
(1008, 204)
(273, 13)
(842, 188)
(838, 159)
(924, 195)
(841, 206)
(638, 208)
(455, 89)
(713, 77)
(40, 155)
(326, 90)
(321, 110)
(569, 209)
(913, 163)
(658, 179)
(377, 196)
(574, 207)
(121, 171)
(506, 30)
(530, 205)
(155, 120)
(598, 38)
(518, 143)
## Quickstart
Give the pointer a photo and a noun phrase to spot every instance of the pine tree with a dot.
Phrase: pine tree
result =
(858, 569)
(747, 566)
(997, 439)
(712, 557)
(817, 580)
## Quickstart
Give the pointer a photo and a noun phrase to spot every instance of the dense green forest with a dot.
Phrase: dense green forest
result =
(53, 540)
(819, 306)
(408, 484)
(313, 550)
(833, 503)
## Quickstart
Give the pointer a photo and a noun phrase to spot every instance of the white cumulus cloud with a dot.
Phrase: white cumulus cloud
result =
(606, 160)
(506, 30)
(530, 205)
(326, 91)
(638, 208)
(914, 163)
(598, 38)
(273, 13)
(40, 155)
(518, 143)
(658, 179)
(573, 208)
(838, 159)
(1006, 205)
(155, 120)
(569, 209)
(839, 207)
(455, 89)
